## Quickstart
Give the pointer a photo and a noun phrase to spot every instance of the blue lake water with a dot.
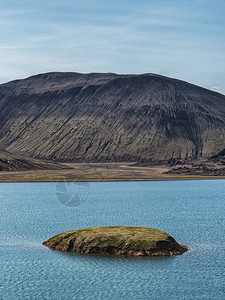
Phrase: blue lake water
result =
(191, 211)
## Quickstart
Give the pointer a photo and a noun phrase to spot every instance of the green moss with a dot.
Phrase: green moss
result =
(115, 239)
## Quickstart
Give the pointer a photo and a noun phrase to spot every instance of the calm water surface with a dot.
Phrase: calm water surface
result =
(191, 211)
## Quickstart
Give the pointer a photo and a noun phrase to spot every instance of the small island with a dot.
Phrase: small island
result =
(117, 240)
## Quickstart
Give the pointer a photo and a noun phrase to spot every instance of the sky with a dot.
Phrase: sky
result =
(175, 38)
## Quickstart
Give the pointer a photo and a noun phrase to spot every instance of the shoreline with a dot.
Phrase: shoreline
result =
(92, 172)
(113, 180)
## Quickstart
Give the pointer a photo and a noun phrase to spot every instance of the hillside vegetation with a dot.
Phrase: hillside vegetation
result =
(74, 117)
(120, 240)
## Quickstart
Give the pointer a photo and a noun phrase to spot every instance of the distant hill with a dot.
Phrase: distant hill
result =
(110, 117)
(14, 162)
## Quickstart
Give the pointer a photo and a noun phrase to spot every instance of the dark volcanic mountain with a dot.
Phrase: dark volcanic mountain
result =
(99, 117)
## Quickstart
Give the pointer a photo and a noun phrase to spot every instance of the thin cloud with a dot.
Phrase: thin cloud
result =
(215, 88)
(176, 40)
(16, 12)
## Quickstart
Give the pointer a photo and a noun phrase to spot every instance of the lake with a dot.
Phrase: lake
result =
(191, 211)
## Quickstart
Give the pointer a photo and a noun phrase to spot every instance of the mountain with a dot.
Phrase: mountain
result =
(15, 162)
(110, 117)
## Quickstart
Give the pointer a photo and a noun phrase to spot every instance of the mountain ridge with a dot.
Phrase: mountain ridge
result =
(110, 75)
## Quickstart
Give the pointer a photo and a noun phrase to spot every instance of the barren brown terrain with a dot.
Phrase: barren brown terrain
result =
(115, 172)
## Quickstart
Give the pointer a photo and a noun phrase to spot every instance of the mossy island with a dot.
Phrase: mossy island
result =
(117, 240)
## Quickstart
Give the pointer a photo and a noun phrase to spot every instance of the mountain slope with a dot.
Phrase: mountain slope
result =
(15, 162)
(99, 117)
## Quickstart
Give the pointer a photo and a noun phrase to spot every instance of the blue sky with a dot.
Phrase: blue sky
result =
(181, 39)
